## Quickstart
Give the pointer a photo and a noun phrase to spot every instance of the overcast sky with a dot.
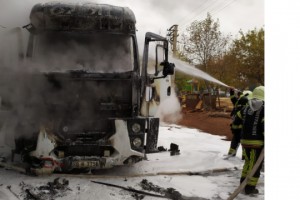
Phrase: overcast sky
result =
(158, 15)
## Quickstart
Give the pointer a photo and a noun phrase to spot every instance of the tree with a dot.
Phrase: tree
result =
(203, 42)
(248, 51)
(223, 68)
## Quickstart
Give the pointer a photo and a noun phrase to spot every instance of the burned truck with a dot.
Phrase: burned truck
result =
(87, 102)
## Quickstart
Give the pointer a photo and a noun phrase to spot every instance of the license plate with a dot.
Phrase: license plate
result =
(85, 164)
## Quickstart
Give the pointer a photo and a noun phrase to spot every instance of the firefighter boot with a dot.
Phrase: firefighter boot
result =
(251, 190)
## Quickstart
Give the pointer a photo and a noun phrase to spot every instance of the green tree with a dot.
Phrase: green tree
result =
(248, 52)
(226, 69)
(203, 42)
(204, 46)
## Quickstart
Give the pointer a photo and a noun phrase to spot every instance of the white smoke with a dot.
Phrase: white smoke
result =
(17, 80)
(169, 110)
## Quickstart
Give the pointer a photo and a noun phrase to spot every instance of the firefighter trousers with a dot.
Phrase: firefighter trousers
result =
(251, 155)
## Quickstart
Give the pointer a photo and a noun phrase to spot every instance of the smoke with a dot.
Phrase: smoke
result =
(29, 99)
(169, 110)
(89, 52)
(28, 94)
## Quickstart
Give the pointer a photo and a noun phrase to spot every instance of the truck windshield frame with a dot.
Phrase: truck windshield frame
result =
(98, 52)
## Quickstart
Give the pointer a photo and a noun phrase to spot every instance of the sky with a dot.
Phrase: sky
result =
(199, 152)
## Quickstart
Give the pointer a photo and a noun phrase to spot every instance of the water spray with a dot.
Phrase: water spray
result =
(191, 70)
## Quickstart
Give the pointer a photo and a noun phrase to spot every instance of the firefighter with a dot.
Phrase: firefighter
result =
(236, 132)
(234, 98)
(250, 120)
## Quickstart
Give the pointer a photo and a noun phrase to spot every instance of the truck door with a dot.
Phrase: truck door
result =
(156, 73)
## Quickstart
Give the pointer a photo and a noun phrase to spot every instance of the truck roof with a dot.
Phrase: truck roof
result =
(57, 16)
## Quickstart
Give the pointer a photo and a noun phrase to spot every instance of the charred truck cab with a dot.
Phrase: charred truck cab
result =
(96, 103)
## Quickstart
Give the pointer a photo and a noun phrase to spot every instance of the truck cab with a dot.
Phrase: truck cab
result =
(87, 102)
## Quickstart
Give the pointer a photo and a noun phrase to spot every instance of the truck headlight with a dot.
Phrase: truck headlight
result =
(65, 129)
(136, 127)
(137, 142)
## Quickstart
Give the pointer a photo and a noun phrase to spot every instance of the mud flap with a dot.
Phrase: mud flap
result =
(152, 135)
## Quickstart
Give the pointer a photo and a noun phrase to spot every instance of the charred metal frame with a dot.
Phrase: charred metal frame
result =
(69, 142)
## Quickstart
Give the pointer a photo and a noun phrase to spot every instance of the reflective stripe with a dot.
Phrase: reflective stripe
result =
(239, 115)
(256, 121)
(245, 167)
(252, 142)
(251, 164)
(236, 126)
(252, 159)
(252, 181)
(232, 151)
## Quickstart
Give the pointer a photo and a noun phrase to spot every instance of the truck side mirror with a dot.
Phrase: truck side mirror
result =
(168, 68)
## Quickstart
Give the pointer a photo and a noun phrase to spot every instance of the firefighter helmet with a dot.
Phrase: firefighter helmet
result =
(247, 93)
(258, 93)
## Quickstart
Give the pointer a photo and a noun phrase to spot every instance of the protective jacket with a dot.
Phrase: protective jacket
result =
(239, 104)
(250, 120)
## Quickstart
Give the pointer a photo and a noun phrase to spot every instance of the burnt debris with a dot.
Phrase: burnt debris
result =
(51, 190)
(169, 193)
(174, 149)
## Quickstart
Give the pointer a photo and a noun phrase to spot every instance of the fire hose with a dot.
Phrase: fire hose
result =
(244, 183)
